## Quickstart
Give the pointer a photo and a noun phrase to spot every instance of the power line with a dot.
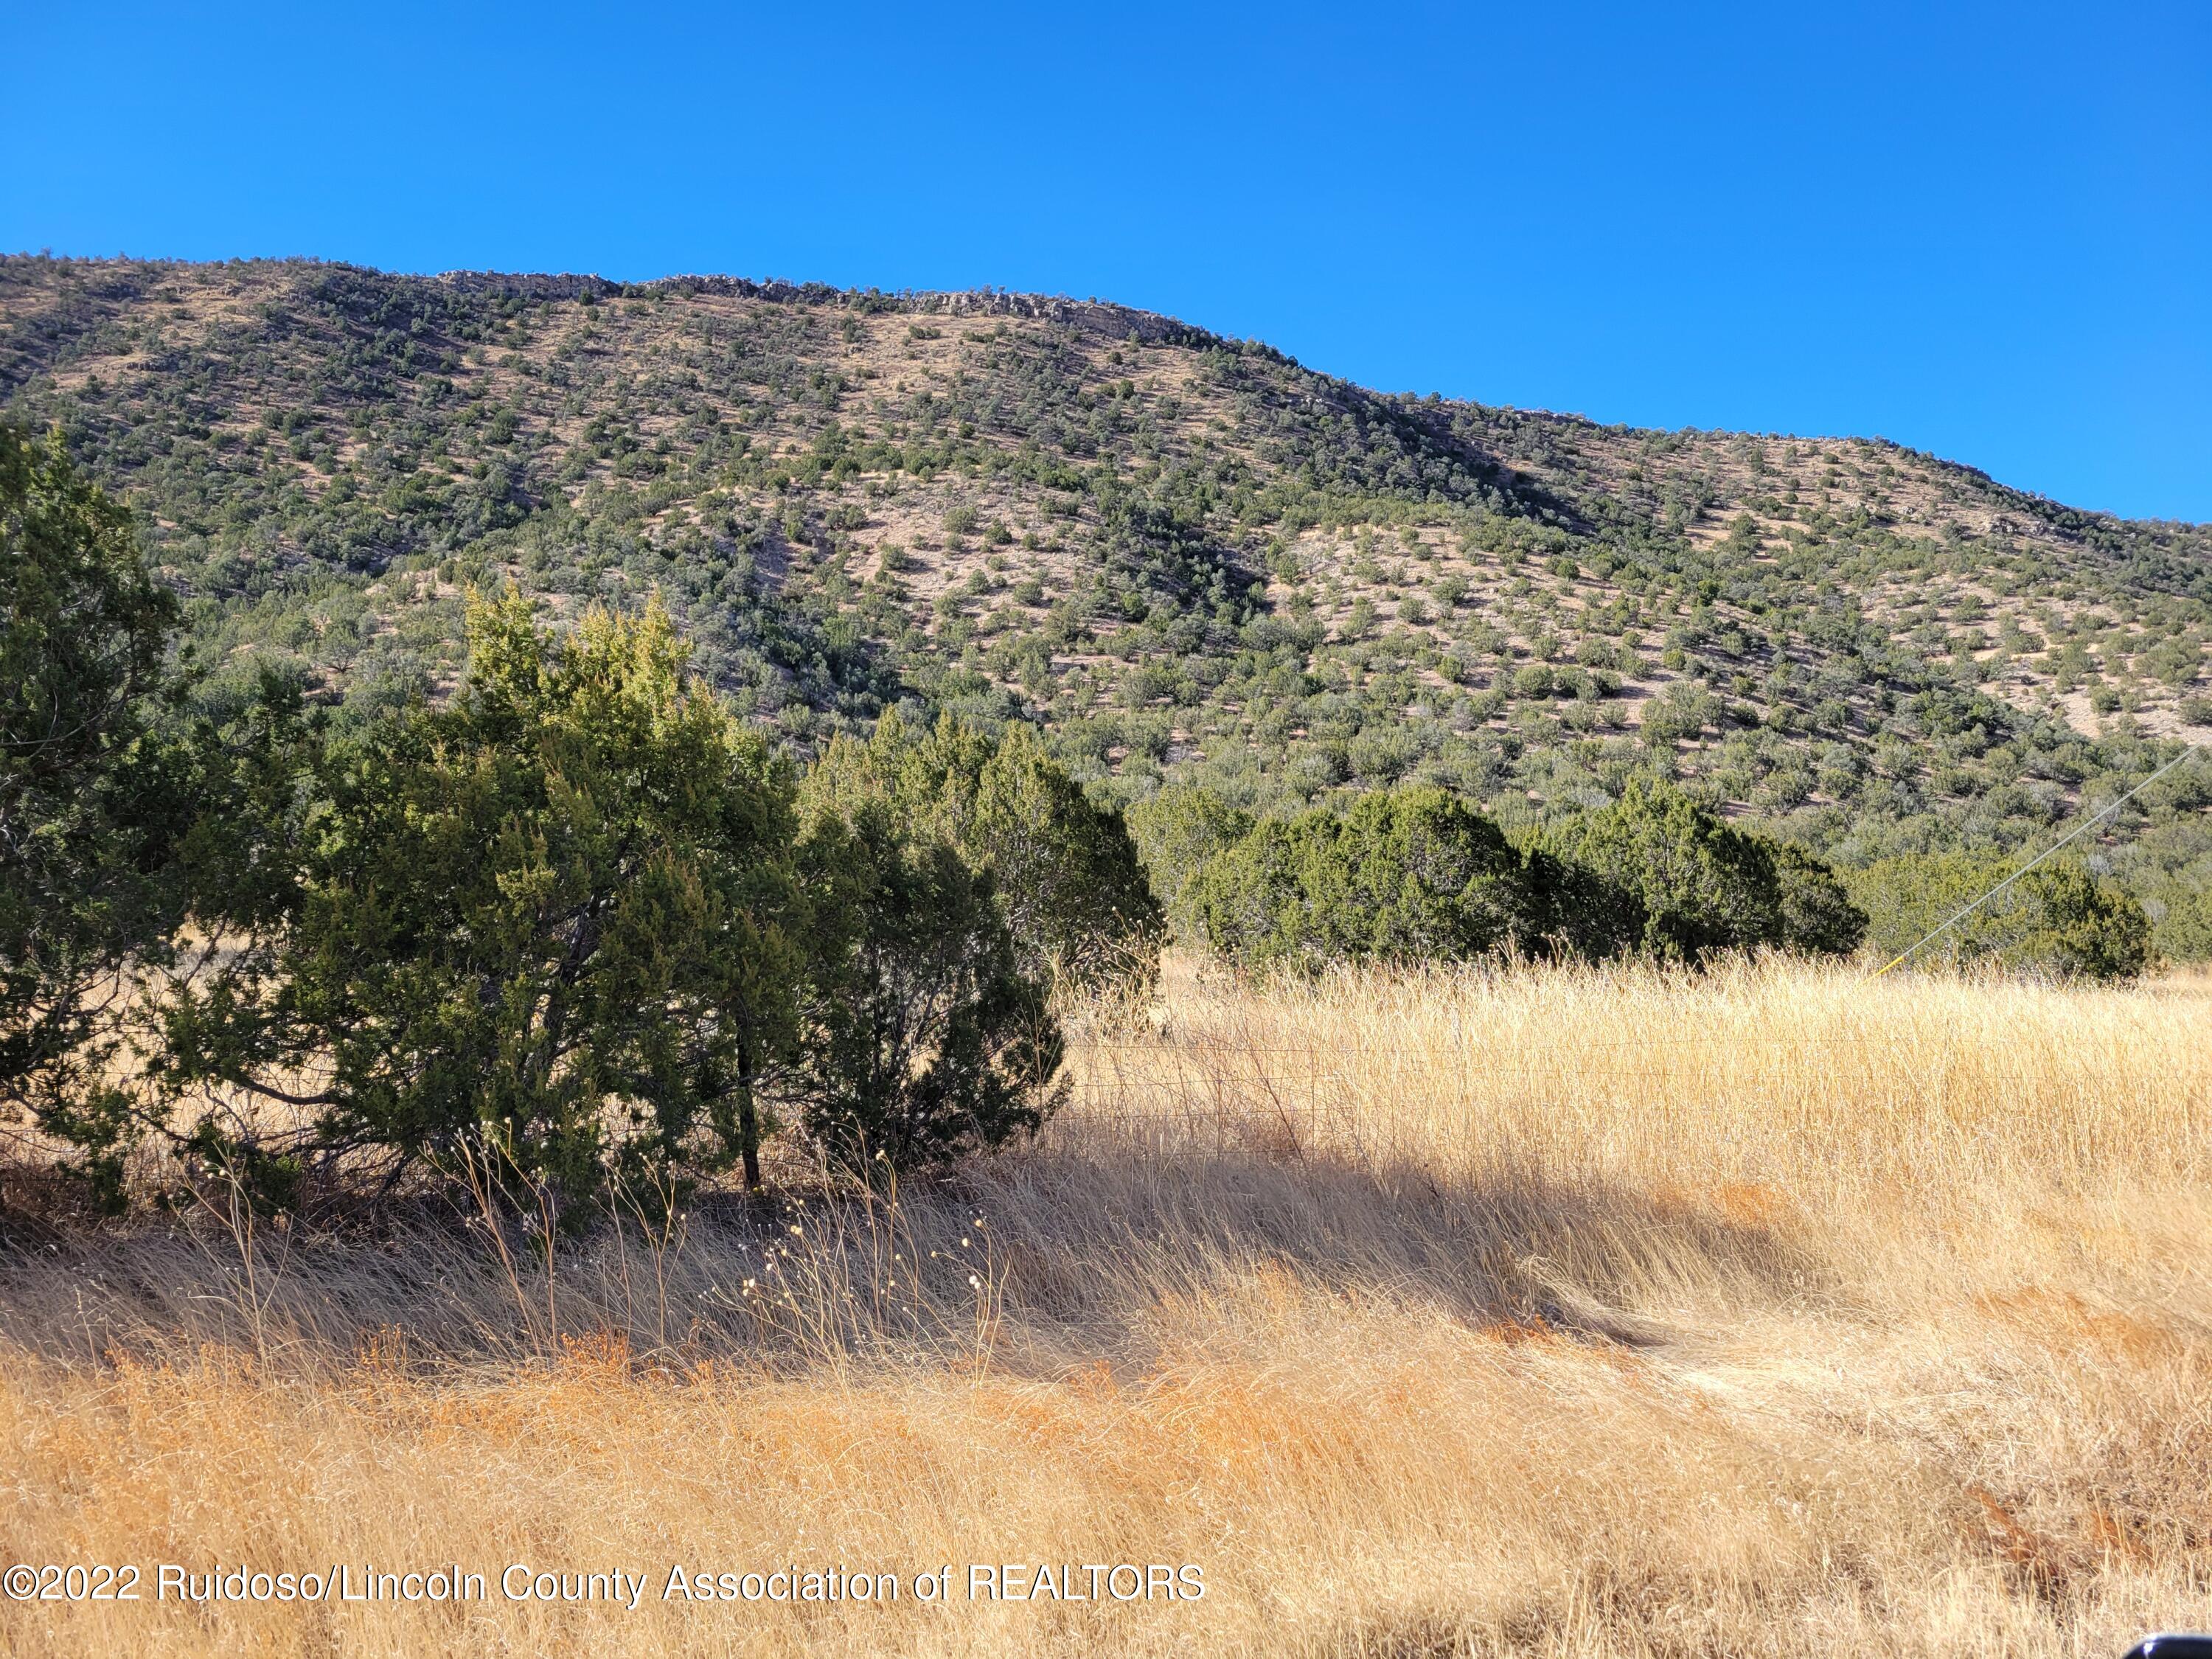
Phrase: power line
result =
(2085, 823)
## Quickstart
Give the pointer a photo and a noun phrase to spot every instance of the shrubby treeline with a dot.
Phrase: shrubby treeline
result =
(579, 919)
(580, 923)
(584, 913)
(1414, 874)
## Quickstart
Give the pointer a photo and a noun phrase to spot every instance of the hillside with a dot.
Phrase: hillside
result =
(1184, 555)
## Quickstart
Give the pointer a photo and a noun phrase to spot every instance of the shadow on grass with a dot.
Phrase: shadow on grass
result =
(1030, 1263)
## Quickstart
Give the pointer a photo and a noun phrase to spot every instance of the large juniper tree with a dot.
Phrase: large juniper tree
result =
(558, 915)
(89, 816)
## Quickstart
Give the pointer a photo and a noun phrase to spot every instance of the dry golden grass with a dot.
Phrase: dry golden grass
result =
(1582, 1313)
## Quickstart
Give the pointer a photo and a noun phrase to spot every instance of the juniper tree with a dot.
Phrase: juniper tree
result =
(560, 914)
(90, 812)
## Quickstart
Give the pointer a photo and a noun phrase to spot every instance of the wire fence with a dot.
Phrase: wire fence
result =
(2077, 831)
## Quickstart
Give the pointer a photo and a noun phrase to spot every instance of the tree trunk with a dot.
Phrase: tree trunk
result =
(748, 1119)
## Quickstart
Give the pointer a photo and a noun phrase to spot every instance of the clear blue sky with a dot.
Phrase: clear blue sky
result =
(1983, 230)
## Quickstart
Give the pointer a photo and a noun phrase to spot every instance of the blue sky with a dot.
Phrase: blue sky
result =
(1983, 230)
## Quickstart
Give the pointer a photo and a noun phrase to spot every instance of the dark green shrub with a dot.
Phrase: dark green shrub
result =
(90, 807)
(1582, 914)
(1063, 867)
(1407, 875)
(1177, 830)
(924, 1037)
(1704, 886)
(559, 918)
(2057, 919)
(1817, 915)
(2184, 931)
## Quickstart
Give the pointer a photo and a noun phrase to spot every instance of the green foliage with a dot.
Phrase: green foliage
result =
(322, 455)
(1415, 874)
(1406, 875)
(1817, 915)
(2184, 931)
(91, 806)
(926, 1038)
(1861, 639)
(2057, 919)
(559, 917)
(1584, 915)
(1704, 886)
(1064, 868)
(1177, 830)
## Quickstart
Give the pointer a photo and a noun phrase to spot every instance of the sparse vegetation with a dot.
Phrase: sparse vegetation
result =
(630, 939)
(1198, 563)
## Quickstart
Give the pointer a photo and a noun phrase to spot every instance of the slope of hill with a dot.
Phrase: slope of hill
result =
(1184, 555)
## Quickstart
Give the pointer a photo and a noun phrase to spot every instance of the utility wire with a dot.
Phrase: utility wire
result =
(2101, 812)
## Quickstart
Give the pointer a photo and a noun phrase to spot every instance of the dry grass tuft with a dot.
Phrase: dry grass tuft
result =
(1556, 1313)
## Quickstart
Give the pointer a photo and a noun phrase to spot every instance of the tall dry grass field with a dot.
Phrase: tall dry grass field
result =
(1574, 1313)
